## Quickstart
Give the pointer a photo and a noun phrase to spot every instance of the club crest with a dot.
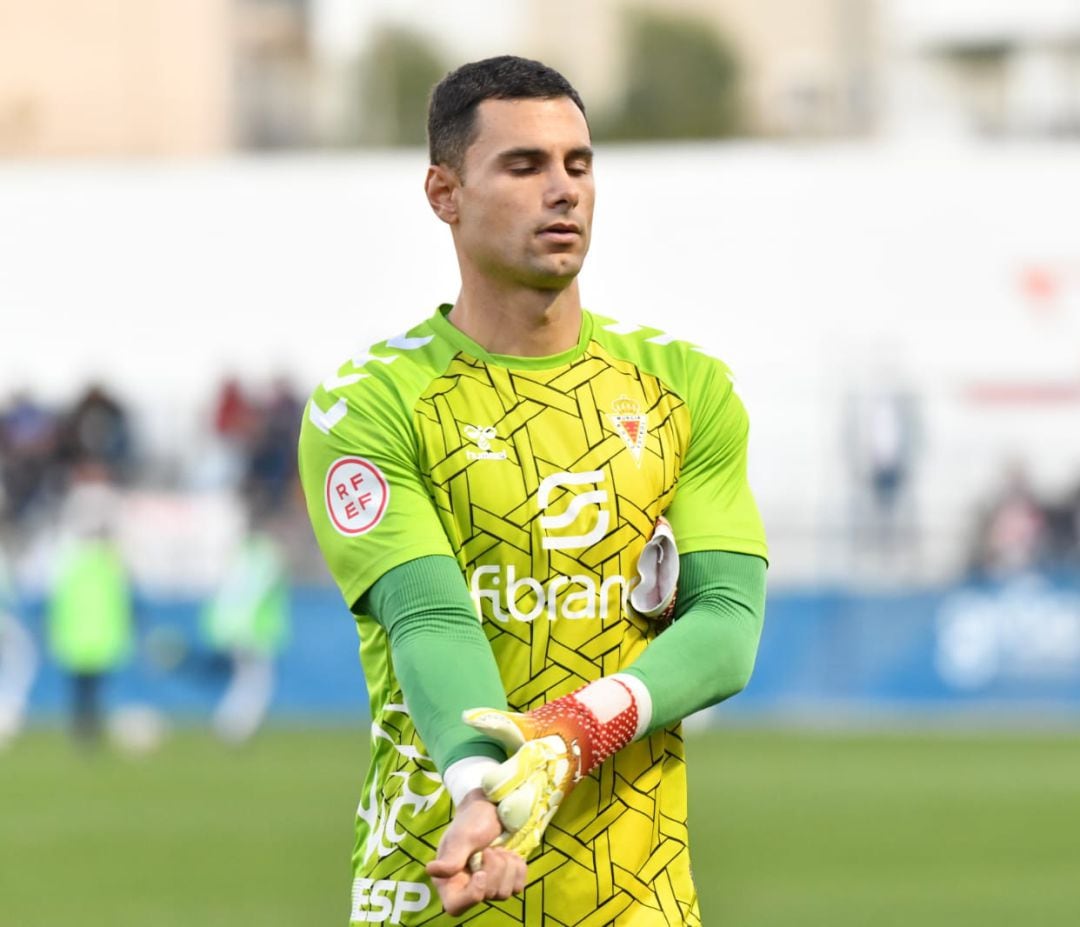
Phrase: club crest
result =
(631, 424)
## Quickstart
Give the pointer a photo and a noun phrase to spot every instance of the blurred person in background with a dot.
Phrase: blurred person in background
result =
(29, 475)
(1063, 531)
(234, 413)
(223, 463)
(473, 465)
(18, 660)
(96, 432)
(247, 623)
(89, 610)
(882, 444)
(271, 475)
(1013, 534)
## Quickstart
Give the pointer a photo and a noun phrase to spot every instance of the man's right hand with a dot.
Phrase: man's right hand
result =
(501, 872)
(549, 750)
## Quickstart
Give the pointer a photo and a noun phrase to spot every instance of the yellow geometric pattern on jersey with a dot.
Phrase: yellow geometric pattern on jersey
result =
(617, 850)
(543, 477)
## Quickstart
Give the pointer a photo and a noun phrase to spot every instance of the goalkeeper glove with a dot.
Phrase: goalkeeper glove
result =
(551, 749)
(652, 594)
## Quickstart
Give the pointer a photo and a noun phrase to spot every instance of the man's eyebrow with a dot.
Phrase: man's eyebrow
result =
(539, 154)
(532, 154)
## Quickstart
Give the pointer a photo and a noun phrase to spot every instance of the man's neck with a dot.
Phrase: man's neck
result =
(520, 322)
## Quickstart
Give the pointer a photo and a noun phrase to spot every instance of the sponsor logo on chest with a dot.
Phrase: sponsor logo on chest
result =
(574, 516)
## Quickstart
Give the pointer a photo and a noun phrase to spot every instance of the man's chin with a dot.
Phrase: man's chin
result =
(555, 275)
(550, 284)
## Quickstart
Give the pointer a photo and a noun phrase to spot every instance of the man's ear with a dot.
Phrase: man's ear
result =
(441, 186)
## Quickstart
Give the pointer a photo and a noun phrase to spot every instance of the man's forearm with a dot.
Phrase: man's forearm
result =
(705, 657)
(445, 665)
(708, 654)
(441, 656)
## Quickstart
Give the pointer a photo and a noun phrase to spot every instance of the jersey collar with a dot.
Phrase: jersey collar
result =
(446, 330)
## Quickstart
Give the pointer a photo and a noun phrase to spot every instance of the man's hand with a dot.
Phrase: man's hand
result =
(498, 874)
(528, 788)
(550, 750)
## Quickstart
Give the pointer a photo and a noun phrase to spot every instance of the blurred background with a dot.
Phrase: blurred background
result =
(869, 208)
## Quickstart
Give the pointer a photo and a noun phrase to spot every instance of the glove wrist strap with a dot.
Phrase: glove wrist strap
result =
(596, 721)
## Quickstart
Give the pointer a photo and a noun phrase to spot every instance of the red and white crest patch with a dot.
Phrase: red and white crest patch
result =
(631, 424)
(356, 495)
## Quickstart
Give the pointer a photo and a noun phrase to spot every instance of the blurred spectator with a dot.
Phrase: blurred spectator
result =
(90, 618)
(28, 444)
(1070, 534)
(234, 413)
(271, 474)
(1063, 531)
(96, 431)
(247, 622)
(1014, 531)
(222, 463)
(882, 441)
(18, 661)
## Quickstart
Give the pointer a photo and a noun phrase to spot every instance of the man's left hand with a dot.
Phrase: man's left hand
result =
(500, 873)
(550, 749)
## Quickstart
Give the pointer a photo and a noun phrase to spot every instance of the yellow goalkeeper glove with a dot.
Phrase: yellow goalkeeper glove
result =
(551, 749)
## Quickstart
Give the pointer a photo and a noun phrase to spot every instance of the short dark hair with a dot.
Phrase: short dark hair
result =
(452, 110)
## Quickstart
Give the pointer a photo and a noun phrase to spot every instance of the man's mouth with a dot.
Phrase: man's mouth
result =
(561, 231)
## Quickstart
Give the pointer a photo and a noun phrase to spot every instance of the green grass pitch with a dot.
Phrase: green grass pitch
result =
(844, 830)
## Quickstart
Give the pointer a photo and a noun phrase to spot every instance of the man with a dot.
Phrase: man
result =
(18, 660)
(91, 620)
(511, 456)
(246, 622)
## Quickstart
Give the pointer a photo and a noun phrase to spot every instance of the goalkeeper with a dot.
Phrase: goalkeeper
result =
(510, 458)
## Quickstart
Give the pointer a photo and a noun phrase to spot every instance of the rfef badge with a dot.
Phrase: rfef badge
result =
(356, 495)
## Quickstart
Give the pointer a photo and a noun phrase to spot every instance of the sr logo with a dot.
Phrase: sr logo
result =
(580, 505)
(374, 902)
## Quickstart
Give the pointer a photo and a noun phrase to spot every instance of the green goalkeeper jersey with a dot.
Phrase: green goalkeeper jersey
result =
(543, 478)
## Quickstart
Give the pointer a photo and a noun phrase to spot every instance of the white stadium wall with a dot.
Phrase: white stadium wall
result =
(812, 271)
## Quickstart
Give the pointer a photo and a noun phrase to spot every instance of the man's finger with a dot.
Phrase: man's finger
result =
(505, 871)
(461, 892)
(440, 868)
(453, 853)
(520, 872)
(511, 872)
(460, 842)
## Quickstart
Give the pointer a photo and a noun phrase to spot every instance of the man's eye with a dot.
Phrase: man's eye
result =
(522, 169)
(578, 170)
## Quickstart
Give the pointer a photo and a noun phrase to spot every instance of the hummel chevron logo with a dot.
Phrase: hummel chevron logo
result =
(367, 357)
(336, 382)
(324, 421)
(405, 343)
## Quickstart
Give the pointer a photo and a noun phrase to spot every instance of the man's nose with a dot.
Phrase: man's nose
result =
(562, 191)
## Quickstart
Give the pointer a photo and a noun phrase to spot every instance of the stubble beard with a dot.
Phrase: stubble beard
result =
(556, 270)
(541, 272)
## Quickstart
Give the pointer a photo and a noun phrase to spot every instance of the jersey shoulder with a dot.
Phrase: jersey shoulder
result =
(684, 367)
(380, 384)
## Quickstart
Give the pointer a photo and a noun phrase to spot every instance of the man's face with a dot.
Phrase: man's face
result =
(525, 207)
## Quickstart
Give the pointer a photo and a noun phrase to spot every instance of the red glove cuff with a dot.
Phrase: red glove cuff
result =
(589, 739)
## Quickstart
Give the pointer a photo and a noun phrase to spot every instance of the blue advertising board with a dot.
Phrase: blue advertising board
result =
(999, 648)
